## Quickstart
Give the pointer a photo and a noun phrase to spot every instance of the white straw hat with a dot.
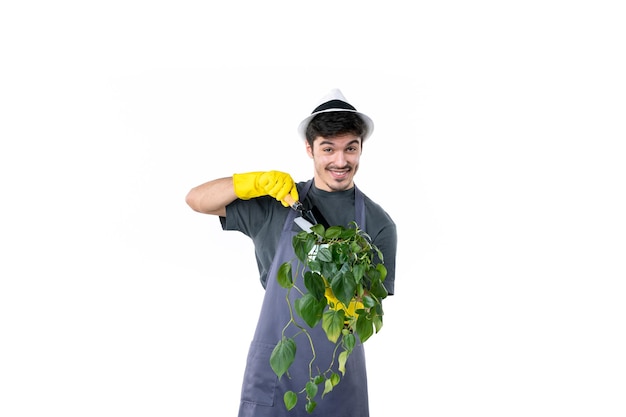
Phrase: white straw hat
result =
(335, 101)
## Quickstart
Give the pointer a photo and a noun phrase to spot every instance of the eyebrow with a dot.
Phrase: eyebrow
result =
(330, 142)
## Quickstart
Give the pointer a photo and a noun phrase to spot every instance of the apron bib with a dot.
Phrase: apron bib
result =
(262, 392)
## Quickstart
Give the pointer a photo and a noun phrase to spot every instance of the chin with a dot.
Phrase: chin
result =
(340, 185)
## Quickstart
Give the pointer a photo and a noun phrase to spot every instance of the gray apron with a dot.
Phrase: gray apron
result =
(262, 392)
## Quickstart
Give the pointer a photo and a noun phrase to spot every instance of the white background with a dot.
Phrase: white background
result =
(498, 150)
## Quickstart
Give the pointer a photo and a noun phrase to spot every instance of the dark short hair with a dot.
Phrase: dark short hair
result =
(335, 123)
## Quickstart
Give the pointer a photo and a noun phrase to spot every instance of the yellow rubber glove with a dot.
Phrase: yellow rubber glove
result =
(257, 184)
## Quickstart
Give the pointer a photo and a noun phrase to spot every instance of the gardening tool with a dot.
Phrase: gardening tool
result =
(311, 216)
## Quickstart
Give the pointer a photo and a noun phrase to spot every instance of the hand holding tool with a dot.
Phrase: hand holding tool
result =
(273, 183)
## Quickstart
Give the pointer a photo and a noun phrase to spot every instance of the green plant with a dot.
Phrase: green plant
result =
(343, 273)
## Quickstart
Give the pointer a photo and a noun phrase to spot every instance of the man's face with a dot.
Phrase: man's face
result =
(335, 161)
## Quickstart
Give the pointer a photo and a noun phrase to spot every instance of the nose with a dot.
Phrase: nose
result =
(340, 159)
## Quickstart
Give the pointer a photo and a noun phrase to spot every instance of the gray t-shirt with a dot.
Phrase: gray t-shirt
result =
(262, 220)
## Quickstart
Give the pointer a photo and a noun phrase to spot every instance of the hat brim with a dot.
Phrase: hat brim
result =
(305, 123)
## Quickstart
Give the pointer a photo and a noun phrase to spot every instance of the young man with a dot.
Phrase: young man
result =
(258, 205)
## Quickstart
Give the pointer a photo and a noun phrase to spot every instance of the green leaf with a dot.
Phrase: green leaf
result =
(311, 389)
(349, 341)
(372, 274)
(378, 290)
(343, 358)
(343, 286)
(284, 276)
(332, 323)
(319, 379)
(310, 406)
(341, 253)
(378, 322)
(328, 269)
(328, 387)
(290, 399)
(368, 301)
(358, 271)
(324, 255)
(314, 282)
(356, 248)
(302, 243)
(377, 311)
(379, 254)
(310, 308)
(382, 270)
(315, 265)
(283, 356)
(333, 232)
(349, 233)
(364, 328)
(318, 229)
(335, 378)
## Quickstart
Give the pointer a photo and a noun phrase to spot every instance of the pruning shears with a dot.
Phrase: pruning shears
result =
(311, 216)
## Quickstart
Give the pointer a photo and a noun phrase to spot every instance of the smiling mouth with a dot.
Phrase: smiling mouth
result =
(339, 175)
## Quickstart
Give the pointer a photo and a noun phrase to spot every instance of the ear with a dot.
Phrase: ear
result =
(309, 150)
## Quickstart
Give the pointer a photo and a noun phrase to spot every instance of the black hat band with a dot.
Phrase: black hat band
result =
(333, 104)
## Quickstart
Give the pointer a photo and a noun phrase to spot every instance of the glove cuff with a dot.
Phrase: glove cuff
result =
(245, 185)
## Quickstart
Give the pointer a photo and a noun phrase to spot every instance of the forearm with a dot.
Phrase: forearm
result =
(212, 197)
